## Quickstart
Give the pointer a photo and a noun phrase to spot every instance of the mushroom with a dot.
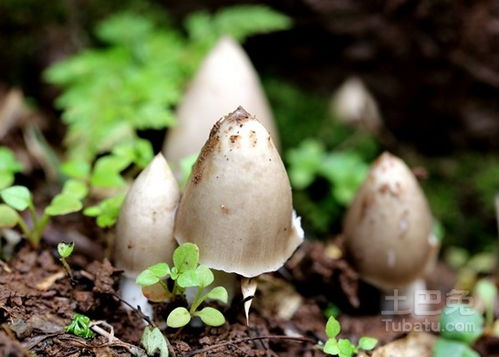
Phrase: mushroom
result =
(144, 233)
(353, 104)
(388, 231)
(225, 79)
(237, 205)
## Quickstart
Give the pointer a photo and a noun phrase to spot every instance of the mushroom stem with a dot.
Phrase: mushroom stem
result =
(132, 294)
(248, 289)
(409, 299)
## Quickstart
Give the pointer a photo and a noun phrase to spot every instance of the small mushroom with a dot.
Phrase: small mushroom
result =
(144, 232)
(225, 80)
(237, 206)
(353, 104)
(388, 230)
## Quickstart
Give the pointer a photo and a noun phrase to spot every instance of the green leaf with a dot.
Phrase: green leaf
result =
(204, 276)
(347, 349)
(333, 327)
(76, 169)
(17, 197)
(187, 279)
(107, 211)
(160, 270)
(65, 249)
(186, 165)
(186, 257)
(211, 316)
(76, 189)
(153, 274)
(178, 317)
(331, 347)
(63, 204)
(486, 290)
(304, 163)
(461, 322)
(449, 348)
(107, 170)
(6, 179)
(154, 342)
(80, 326)
(8, 217)
(367, 343)
(219, 293)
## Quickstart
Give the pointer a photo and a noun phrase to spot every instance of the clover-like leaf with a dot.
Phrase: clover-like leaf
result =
(17, 197)
(187, 279)
(63, 204)
(75, 188)
(461, 322)
(8, 216)
(76, 169)
(333, 327)
(65, 249)
(178, 317)
(186, 257)
(219, 293)
(80, 326)
(211, 316)
(347, 349)
(204, 276)
(367, 343)
(154, 342)
(331, 347)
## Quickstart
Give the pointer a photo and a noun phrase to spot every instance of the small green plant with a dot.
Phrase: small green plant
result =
(486, 291)
(9, 166)
(343, 347)
(80, 326)
(65, 250)
(154, 342)
(460, 326)
(186, 273)
(18, 199)
(136, 81)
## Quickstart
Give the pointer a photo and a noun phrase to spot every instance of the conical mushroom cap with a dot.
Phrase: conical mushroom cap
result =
(388, 226)
(225, 80)
(237, 205)
(144, 232)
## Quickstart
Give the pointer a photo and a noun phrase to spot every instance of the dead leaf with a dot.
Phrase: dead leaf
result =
(46, 283)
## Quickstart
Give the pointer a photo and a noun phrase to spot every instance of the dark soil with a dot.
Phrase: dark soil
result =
(37, 300)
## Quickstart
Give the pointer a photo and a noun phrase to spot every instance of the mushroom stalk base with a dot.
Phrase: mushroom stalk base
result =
(132, 294)
(409, 299)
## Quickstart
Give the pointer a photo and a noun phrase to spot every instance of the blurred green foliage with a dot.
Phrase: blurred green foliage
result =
(135, 81)
(327, 160)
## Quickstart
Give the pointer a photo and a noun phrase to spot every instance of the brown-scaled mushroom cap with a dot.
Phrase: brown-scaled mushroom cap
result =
(237, 206)
(388, 226)
(225, 80)
(144, 232)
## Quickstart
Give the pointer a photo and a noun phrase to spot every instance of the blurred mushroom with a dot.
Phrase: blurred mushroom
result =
(145, 227)
(388, 232)
(353, 104)
(237, 206)
(225, 80)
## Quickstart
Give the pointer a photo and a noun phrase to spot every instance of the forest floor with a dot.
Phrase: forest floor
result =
(38, 299)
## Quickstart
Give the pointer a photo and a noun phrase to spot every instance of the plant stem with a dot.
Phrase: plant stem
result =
(38, 229)
(197, 300)
(66, 267)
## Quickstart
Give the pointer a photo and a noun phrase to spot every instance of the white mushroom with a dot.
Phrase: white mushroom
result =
(145, 226)
(225, 80)
(388, 230)
(353, 104)
(237, 206)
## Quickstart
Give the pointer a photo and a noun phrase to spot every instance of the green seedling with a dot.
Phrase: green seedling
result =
(154, 342)
(186, 273)
(80, 326)
(460, 326)
(107, 211)
(9, 166)
(18, 199)
(486, 291)
(343, 347)
(65, 250)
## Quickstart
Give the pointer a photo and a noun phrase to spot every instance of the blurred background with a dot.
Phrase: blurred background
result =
(426, 73)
